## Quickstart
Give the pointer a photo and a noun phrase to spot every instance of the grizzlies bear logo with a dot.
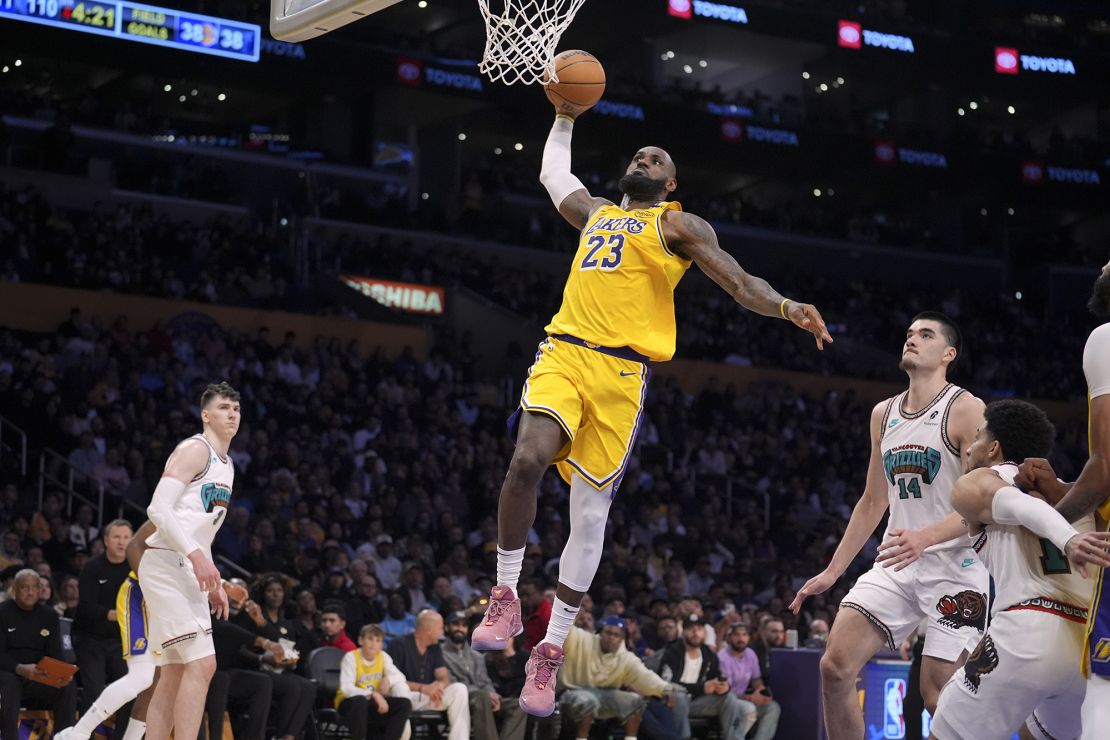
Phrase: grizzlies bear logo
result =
(965, 609)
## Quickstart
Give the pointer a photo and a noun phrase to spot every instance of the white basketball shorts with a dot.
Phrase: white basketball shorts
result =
(1024, 671)
(948, 588)
(180, 618)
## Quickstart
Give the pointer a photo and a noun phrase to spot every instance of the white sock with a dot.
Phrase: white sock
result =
(509, 563)
(89, 721)
(562, 619)
(136, 728)
(629, 737)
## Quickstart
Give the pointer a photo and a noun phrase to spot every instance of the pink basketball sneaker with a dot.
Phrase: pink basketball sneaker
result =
(502, 622)
(538, 695)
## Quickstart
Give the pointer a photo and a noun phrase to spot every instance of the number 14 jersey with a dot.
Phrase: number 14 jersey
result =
(920, 463)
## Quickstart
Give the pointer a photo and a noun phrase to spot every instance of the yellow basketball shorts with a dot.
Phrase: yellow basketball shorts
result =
(596, 394)
(131, 615)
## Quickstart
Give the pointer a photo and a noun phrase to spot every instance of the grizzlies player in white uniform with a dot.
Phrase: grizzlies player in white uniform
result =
(928, 570)
(1023, 672)
(177, 572)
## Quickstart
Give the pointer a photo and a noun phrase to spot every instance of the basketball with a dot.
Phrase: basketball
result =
(581, 82)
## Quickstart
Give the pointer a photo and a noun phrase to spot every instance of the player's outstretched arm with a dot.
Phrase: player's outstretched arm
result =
(1093, 485)
(567, 192)
(694, 238)
(866, 515)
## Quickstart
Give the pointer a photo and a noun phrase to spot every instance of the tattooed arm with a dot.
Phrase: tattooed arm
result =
(693, 238)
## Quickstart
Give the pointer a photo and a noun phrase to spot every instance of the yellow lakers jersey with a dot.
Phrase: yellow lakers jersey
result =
(620, 292)
(367, 674)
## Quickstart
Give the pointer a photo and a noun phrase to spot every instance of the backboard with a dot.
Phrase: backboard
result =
(299, 20)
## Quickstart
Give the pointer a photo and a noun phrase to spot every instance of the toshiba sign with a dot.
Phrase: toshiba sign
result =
(409, 297)
(1007, 61)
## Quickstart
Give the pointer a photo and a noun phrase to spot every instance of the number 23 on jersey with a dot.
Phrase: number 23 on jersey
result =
(609, 260)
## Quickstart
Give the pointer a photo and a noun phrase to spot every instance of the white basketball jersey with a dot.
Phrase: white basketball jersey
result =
(1026, 567)
(203, 504)
(920, 464)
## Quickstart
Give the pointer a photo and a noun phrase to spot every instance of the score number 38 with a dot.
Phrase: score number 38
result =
(205, 34)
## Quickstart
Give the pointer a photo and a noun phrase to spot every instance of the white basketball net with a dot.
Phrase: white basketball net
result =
(521, 39)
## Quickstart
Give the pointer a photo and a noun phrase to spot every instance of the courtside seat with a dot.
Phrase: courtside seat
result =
(323, 670)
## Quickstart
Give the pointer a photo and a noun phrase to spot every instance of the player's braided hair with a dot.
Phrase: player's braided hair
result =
(222, 389)
(1022, 429)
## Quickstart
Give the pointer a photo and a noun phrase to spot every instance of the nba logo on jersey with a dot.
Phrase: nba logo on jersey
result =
(213, 495)
(894, 724)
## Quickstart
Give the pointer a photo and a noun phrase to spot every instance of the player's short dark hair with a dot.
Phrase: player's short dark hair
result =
(1022, 429)
(948, 328)
(336, 608)
(222, 389)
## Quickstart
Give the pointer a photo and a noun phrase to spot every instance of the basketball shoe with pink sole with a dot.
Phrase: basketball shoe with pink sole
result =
(538, 695)
(501, 623)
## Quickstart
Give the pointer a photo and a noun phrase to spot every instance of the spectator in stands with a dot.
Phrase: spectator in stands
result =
(86, 457)
(68, 596)
(818, 634)
(96, 627)
(271, 621)
(82, 532)
(29, 632)
(293, 695)
(772, 634)
(692, 665)
(535, 611)
(308, 616)
(47, 596)
(365, 607)
(468, 667)
(57, 549)
(333, 623)
(11, 552)
(414, 584)
(368, 680)
(419, 657)
(740, 667)
(335, 587)
(386, 565)
(238, 681)
(596, 668)
(666, 632)
(111, 472)
(399, 621)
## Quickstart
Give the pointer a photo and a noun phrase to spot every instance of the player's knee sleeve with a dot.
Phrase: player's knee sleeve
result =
(589, 511)
(140, 676)
(138, 679)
